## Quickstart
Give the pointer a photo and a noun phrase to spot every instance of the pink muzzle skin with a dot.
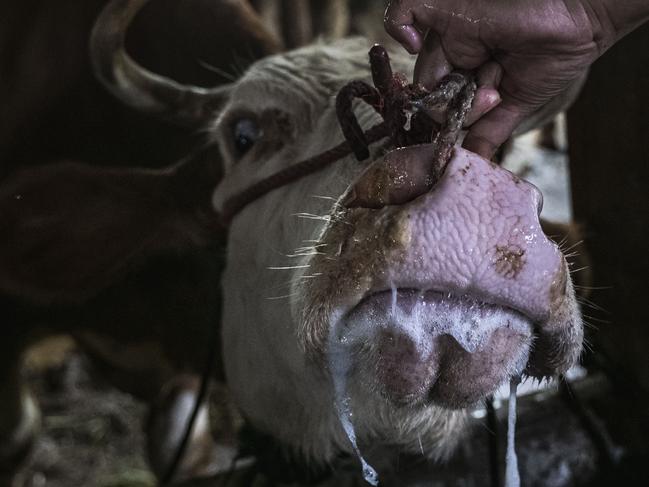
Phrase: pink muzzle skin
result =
(476, 231)
(454, 313)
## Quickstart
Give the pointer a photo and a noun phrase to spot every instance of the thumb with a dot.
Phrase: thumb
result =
(495, 128)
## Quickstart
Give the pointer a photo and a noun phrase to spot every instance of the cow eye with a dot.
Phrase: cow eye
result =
(245, 132)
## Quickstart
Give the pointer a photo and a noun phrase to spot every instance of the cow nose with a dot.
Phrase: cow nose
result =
(400, 177)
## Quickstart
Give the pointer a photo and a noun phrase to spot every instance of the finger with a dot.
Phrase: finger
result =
(494, 128)
(490, 74)
(487, 96)
(431, 65)
(485, 100)
(399, 23)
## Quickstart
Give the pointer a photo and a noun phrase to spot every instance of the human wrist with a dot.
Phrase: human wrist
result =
(613, 19)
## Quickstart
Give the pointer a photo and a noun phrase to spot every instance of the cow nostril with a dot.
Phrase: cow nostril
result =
(402, 176)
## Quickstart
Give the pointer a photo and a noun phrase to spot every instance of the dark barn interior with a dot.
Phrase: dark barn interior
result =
(111, 259)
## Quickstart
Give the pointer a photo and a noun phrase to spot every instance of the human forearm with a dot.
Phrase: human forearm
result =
(613, 19)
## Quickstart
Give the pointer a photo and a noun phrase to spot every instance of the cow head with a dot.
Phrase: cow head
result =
(410, 311)
(338, 290)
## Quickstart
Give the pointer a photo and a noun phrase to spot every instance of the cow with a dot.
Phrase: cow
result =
(405, 313)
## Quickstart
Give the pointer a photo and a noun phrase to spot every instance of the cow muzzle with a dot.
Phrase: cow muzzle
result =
(450, 287)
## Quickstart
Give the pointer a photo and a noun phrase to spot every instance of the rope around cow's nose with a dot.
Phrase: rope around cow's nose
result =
(405, 109)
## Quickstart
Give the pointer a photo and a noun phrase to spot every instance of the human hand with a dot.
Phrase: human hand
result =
(528, 51)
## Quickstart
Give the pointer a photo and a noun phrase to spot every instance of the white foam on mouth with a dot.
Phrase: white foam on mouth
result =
(512, 477)
(339, 355)
(427, 314)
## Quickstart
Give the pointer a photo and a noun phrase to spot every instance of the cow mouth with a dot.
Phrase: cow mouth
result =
(436, 347)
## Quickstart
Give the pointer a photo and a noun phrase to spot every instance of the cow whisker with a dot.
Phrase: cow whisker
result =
(576, 244)
(588, 346)
(221, 72)
(589, 325)
(304, 254)
(572, 255)
(311, 216)
(575, 271)
(289, 268)
(589, 303)
(277, 298)
(593, 288)
(312, 276)
(598, 320)
(306, 251)
(283, 285)
(561, 242)
(311, 246)
(328, 198)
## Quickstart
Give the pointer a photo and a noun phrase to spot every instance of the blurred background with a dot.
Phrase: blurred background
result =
(96, 389)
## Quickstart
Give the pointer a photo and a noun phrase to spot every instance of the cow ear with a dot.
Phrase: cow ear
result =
(70, 230)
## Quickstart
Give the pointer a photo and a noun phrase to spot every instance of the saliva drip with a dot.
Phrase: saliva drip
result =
(339, 363)
(345, 415)
(512, 477)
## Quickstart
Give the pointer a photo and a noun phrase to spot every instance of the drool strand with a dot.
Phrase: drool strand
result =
(339, 368)
(512, 477)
